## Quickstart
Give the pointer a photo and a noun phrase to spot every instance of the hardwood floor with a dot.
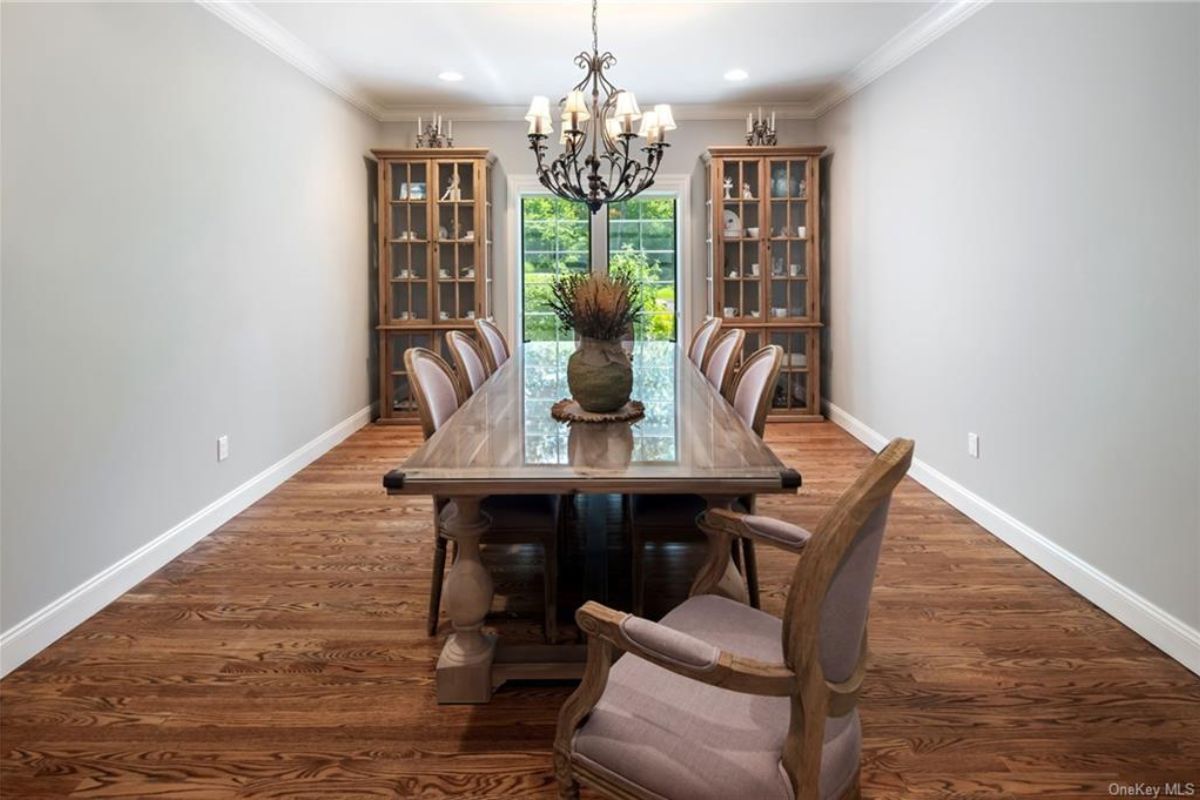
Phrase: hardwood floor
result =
(284, 657)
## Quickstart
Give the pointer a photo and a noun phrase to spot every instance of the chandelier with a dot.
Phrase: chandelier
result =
(595, 166)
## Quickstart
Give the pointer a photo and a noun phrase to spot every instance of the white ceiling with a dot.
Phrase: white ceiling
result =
(667, 52)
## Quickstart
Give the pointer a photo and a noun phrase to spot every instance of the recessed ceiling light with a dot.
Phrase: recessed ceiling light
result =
(736, 75)
(451, 75)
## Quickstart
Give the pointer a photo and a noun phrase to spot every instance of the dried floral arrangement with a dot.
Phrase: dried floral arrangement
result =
(596, 306)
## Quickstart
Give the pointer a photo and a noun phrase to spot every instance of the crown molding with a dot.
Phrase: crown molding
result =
(516, 114)
(246, 18)
(922, 32)
(925, 30)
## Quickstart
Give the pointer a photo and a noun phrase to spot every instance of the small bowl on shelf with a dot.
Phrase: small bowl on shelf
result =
(752, 233)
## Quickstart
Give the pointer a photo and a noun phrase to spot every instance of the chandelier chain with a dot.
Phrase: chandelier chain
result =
(595, 29)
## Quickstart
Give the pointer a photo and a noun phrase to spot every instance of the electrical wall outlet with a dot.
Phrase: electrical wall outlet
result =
(973, 445)
(222, 448)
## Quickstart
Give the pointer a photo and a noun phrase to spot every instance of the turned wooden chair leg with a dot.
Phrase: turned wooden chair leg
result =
(750, 561)
(435, 586)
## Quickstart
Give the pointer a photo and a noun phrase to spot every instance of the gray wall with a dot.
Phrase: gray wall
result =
(1014, 251)
(508, 141)
(185, 255)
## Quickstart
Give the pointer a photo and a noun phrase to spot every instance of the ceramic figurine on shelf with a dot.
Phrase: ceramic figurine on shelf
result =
(746, 193)
(453, 192)
(729, 188)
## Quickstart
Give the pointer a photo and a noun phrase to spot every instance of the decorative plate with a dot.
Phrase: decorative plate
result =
(732, 221)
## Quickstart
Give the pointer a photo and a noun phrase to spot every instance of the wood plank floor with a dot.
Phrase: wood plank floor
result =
(284, 657)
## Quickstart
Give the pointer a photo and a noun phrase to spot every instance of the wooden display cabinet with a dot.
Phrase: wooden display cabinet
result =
(763, 239)
(436, 264)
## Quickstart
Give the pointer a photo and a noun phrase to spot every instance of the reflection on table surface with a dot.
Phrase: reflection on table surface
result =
(650, 439)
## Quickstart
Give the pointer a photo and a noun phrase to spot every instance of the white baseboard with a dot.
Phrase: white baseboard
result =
(1166, 632)
(39, 630)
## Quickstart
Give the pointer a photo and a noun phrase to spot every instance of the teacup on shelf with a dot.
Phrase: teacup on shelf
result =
(730, 311)
(778, 312)
(752, 233)
(443, 315)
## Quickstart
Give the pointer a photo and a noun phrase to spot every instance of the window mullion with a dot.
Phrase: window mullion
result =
(599, 230)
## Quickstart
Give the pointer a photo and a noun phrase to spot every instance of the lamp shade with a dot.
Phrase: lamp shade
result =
(627, 107)
(665, 121)
(576, 105)
(649, 125)
(539, 108)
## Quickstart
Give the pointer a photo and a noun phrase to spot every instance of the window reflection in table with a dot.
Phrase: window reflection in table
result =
(653, 439)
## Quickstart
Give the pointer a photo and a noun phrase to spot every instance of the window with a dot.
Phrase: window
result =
(641, 243)
(555, 238)
(638, 237)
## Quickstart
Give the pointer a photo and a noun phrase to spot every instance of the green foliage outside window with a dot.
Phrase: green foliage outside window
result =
(556, 238)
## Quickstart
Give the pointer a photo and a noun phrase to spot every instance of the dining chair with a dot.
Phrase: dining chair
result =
(722, 358)
(515, 519)
(672, 518)
(495, 348)
(750, 395)
(721, 700)
(702, 338)
(469, 362)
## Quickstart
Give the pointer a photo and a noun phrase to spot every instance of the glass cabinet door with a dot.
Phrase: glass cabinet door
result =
(457, 243)
(793, 387)
(408, 243)
(398, 387)
(788, 183)
(740, 225)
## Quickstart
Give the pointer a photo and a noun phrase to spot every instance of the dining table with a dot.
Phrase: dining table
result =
(504, 441)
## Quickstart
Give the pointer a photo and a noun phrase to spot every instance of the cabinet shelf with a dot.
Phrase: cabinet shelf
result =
(783, 181)
(424, 296)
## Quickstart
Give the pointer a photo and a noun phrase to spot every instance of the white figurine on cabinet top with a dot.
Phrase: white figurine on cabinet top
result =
(746, 193)
(453, 193)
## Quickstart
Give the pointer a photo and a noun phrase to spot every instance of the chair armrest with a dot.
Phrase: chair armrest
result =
(684, 654)
(768, 530)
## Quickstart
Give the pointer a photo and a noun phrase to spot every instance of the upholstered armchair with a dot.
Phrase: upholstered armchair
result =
(721, 700)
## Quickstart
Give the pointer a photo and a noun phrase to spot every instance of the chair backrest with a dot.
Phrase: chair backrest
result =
(468, 360)
(834, 575)
(434, 386)
(701, 339)
(825, 618)
(751, 389)
(495, 348)
(722, 358)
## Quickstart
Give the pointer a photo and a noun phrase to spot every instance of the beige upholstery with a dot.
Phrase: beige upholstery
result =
(719, 366)
(702, 339)
(679, 738)
(751, 390)
(468, 360)
(844, 612)
(785, 533)
(496, 347)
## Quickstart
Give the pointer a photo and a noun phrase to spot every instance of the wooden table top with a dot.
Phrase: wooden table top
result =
(504, 441)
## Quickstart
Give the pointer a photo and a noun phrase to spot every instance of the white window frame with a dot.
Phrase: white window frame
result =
(520, 186)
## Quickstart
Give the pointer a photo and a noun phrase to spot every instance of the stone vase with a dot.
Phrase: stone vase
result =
(600, 375)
